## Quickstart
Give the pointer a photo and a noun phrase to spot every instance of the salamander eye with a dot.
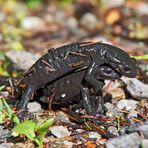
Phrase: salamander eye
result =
(108, 71)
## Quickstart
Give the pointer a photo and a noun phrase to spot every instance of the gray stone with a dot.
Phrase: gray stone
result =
(136, 88)
(132, 140)
(22, 59)
(141, 127)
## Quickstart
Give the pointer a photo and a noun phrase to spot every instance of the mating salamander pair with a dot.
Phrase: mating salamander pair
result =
(73, 64)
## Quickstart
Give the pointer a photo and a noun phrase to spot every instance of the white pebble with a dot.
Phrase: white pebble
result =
(128, 104)
(60, 131)
(34, 107)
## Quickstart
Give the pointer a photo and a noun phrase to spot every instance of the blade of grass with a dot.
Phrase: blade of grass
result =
(141, 57)
(9, 112)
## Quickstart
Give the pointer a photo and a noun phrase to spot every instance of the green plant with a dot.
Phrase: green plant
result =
(34, 131)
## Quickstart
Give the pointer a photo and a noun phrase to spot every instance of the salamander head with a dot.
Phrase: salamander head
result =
(105, 72)
(120, 60)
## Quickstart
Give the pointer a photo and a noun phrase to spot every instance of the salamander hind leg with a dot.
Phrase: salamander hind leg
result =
(26, 97)
(86, 102)
(89, 102)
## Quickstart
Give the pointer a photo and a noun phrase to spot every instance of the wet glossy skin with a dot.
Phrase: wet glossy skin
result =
(72, 58)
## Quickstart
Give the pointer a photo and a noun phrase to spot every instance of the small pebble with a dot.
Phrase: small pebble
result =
(71, 23)
(32, 22)
(89, 21)
(34, 107)
(128, 104)
(68, 144)
(79, 130)
(113, 130)
(94, 136)
(60, 131)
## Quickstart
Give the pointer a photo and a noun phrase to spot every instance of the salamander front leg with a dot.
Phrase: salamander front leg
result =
(90, 77)
(25, 98)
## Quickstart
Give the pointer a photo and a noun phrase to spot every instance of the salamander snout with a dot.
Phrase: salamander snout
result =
(128, 71)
